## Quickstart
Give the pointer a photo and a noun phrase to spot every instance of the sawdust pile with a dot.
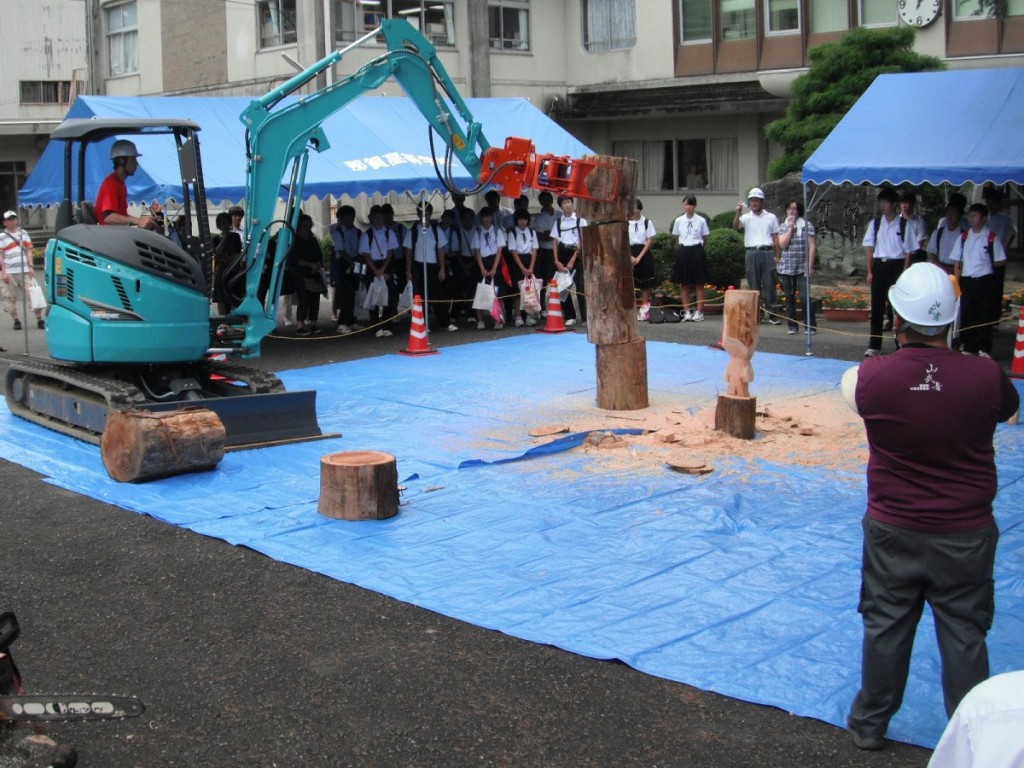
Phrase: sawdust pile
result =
(814, 431)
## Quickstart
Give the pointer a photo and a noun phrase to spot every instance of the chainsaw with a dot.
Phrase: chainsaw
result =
(50, 707)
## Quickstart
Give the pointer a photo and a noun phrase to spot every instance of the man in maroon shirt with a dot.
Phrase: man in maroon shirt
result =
(929, 534)
(112, 199)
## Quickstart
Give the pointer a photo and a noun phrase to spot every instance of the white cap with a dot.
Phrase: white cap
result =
(756, 192)
(10, 215)
(924, 296)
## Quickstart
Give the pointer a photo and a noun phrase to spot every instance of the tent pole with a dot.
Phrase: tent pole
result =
(807, 285)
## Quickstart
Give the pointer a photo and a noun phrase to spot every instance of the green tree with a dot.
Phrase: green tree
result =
(839, 74)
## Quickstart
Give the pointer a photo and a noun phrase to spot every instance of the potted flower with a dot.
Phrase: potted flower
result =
(849, 304)
(714, 300)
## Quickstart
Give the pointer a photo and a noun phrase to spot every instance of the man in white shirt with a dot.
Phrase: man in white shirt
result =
(566, 237)
(16, 268)
(978, 261)
(1005, 230)
(887, 242)
(543, 223)
(947, 235)
(426, 251)
(761, 239)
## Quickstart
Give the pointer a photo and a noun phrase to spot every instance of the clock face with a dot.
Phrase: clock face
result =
(918, 13)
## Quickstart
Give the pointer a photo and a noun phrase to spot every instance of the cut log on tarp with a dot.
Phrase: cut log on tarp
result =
(139, 445)
(608, 285)
(735, 416)
(358, 485)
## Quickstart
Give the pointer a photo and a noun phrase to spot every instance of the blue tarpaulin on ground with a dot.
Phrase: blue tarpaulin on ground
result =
(743, 581)
(378, 145)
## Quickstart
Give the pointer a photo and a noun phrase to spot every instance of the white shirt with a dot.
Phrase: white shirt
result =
(1003, 226)
(377, 243)
(986, 729)
(886, 241)
(426, 248)
(522, 241)
(488, 241)
(691, 230)
(460, 243)
(758, 228)
(943, 248)
(973, 252)
(543, 222)
(17, 250)
(640, 230)
(566, 230)
(917, 230)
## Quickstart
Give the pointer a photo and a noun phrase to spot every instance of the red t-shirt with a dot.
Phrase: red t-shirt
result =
(930, 414)
(112, 198)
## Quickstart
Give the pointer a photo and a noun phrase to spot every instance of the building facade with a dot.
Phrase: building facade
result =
(685, 87)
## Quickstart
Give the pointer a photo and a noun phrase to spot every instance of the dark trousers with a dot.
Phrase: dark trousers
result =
(884, 273)
(564, 254)
(346, 282)
(978, 312)
(307, 306)
(437, 293)
(901, 571)
(791, 285)
(760, 263)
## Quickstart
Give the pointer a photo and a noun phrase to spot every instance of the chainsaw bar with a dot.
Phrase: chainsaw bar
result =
(48, 707)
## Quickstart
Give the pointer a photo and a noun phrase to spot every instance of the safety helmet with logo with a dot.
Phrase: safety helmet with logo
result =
(123, 148)
(756, 192)
(924, 297)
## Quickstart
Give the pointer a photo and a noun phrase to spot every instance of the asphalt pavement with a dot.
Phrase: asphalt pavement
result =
(242, 660)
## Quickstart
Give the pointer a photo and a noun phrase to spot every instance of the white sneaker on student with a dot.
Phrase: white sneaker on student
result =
(687, 316)
(452, 327)
(530, 321)
(698, 317)
(519, 322)
(570, 323)
(480, 325)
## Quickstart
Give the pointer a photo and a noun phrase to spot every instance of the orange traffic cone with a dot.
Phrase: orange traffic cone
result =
(418, 344)
(555, 323)
(1017, 366)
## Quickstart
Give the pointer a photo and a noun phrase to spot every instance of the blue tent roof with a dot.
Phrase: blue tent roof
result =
(928, 128)
(378, 144)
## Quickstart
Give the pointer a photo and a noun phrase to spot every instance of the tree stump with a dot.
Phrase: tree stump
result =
(608, 285)
(735, 416)
(139, 445)
(358, 485)
(622, 376)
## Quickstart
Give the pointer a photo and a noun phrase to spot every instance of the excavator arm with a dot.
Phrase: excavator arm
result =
(280, 137)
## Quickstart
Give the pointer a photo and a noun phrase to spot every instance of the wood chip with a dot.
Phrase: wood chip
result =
(549, 429)
(689, 467)
(667, 436)
(806, 431)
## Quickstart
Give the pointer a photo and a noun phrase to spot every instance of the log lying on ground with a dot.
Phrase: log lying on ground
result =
(139, 445)
(358, 485)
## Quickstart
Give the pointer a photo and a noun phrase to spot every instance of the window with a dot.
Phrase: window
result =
(122, 38)
(277, 22)
(877, 13)
(434, 18)
(738, 19)
(829, 16)
(783, 15)
(608, 24)
(689, 164)
(509, 24)
(968, 9)
(49, 91)
(695, 18)
(12, 178)
(1015, 7)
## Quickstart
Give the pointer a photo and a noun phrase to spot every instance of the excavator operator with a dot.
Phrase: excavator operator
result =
(112, 200)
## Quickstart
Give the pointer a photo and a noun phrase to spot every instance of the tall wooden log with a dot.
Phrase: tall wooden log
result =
(358, 485)
(138, 445)
(735, 412)
(608, 285)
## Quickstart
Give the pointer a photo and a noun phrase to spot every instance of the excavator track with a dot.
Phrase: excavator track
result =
(251, 403)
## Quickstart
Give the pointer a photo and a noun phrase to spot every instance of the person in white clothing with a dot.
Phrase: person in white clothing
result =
(1005, 230)
(16, 268)
(426, 253)
(985, 730)
(691, 270)
(917, 230)
(947, 233)
(521, 243)
(979, 260)
(488, 245)
(566, 236)
(761, 239)
(641, 235)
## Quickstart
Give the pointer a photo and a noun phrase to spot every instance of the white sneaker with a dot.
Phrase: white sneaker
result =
(480, 325)
(698, 317)
(570, 323)
(872, 353)
(519, 322)
(452, 327)
(984, 354)
(342, 328)
(380, 334)
(499, 326)
(386, 333)
(687, 316)
(530, 321)
(288, 323)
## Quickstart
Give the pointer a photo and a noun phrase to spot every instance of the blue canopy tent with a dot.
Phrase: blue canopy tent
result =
(377, 145)
(928, 128)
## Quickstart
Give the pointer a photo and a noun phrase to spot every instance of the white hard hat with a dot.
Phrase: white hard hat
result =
(756, 192)
(123, 148)
(923, 296)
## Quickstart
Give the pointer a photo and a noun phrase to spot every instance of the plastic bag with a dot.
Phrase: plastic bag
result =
(498, 312)
(529, 295)
(484, 298)
(376, 294)
(35, 295)
(405, 300)
(564, 282)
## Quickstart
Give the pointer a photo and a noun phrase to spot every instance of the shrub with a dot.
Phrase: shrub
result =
(722, 221)
(663, 247)
(327, 249)
(726, 258)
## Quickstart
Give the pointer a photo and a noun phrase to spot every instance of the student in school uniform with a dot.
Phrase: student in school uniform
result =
(522, 250)
(979, 260)
(425, 249)
(947, 233)
(691, 271)
(488, 244)
(379, 248)
(566, 236)
(543, 223)
(641, 234)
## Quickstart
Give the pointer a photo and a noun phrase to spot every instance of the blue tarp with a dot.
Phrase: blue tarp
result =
(378, 145)
(743, 581)
(928, 128)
